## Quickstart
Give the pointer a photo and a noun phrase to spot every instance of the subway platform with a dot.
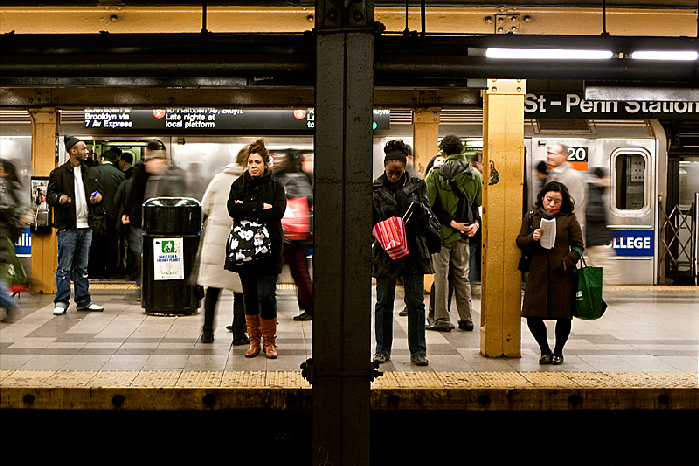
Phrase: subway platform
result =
(641, 358)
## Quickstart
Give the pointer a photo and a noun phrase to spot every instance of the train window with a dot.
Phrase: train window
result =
(689, 180)
(630, 180)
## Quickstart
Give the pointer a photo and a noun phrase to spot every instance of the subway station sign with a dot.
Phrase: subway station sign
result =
(206, 120)
(552, 106)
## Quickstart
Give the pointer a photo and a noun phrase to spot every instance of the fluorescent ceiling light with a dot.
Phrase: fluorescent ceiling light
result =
(548, 54)
(687, 55)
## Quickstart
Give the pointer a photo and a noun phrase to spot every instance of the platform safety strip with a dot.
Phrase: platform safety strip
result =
(420, 390)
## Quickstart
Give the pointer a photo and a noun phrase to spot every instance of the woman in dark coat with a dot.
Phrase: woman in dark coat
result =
(394, 191)
(256, 195)
(550, 290)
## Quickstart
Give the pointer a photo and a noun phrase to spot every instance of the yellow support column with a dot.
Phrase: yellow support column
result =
(44, 245)
(425, 146)
(425, 137)
(503, 162)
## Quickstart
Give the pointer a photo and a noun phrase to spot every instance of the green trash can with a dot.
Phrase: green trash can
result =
(171, 229)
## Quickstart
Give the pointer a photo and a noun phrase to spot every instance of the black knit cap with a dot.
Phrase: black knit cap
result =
(70, 141)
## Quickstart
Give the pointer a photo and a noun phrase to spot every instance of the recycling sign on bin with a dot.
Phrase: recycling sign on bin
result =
(168, 259)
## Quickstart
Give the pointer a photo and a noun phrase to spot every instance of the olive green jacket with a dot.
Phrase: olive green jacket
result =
(468, 180)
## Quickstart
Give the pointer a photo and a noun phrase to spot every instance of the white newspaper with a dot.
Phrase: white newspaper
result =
(548, 233)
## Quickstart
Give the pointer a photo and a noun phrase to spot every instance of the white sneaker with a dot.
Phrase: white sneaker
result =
(58, 310)
(92, 307)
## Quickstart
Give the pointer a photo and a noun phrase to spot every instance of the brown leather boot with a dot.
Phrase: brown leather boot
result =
(254, 334)
(269, 337)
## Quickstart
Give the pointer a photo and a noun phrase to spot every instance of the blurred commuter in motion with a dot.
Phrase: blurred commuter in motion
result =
(297, 185)
(212, 252)
(394, 192)
(104, 252)
(550, 289)
(16, 278)
(455, 179)
(74, 192)
(7, 208)
(557, 157)
(256, 195)
(154, 178)
(598, 236)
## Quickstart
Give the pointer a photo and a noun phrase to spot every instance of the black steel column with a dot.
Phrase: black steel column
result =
(342, 268)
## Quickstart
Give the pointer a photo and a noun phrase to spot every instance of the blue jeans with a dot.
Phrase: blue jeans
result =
(6, 300)
(414, 298)
(73, 255)
(136, 245)
(259, 293)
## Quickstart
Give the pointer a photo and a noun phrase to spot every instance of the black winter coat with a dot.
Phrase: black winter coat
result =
(254, 193)
(61, 181)
(419, 261)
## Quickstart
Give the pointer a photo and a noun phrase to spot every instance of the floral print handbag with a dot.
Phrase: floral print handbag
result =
(247, 241)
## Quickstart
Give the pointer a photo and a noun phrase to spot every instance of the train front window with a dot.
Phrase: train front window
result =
(630, 181)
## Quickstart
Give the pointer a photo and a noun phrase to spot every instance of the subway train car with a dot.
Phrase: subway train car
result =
(632, 152)
(634, 155)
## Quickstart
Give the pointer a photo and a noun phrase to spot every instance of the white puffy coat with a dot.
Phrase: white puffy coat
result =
(212, 249)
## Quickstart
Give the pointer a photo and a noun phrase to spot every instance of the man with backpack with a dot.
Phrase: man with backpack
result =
(455, 192)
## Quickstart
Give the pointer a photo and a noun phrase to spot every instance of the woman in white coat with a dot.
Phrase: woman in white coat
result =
(212, 253)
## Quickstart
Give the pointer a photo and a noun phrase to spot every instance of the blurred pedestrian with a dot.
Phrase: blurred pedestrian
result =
(212, 252)
(155, 177)
(550, 289)
(598, 236)
(297, 185)
(7, 207)
(394, 193)
(74, 192)
(563, 171)
(256, 195)
(23, 216)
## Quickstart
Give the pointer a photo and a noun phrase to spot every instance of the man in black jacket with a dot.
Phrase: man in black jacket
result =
(73, 192)
(155, 177)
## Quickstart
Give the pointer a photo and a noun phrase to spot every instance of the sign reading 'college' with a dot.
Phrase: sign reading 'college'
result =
(549, 106)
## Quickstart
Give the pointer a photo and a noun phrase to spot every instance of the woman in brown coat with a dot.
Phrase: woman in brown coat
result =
(550, 291)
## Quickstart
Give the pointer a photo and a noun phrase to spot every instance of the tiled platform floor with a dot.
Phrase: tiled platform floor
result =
(644, 330)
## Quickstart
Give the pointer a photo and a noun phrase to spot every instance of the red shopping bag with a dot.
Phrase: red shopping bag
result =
(297, 220)
(391, 236)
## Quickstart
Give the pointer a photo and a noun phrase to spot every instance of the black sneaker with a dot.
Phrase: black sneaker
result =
(404, 312)
(466, 325)
(304, 316)
(382, 358)
(419, 359)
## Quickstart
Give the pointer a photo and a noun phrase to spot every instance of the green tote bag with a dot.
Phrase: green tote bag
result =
(589, 304)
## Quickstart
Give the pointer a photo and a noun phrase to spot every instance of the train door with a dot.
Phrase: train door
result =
(633, 213)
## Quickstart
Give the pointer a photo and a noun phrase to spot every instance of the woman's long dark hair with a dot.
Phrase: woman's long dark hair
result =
(567, 205)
